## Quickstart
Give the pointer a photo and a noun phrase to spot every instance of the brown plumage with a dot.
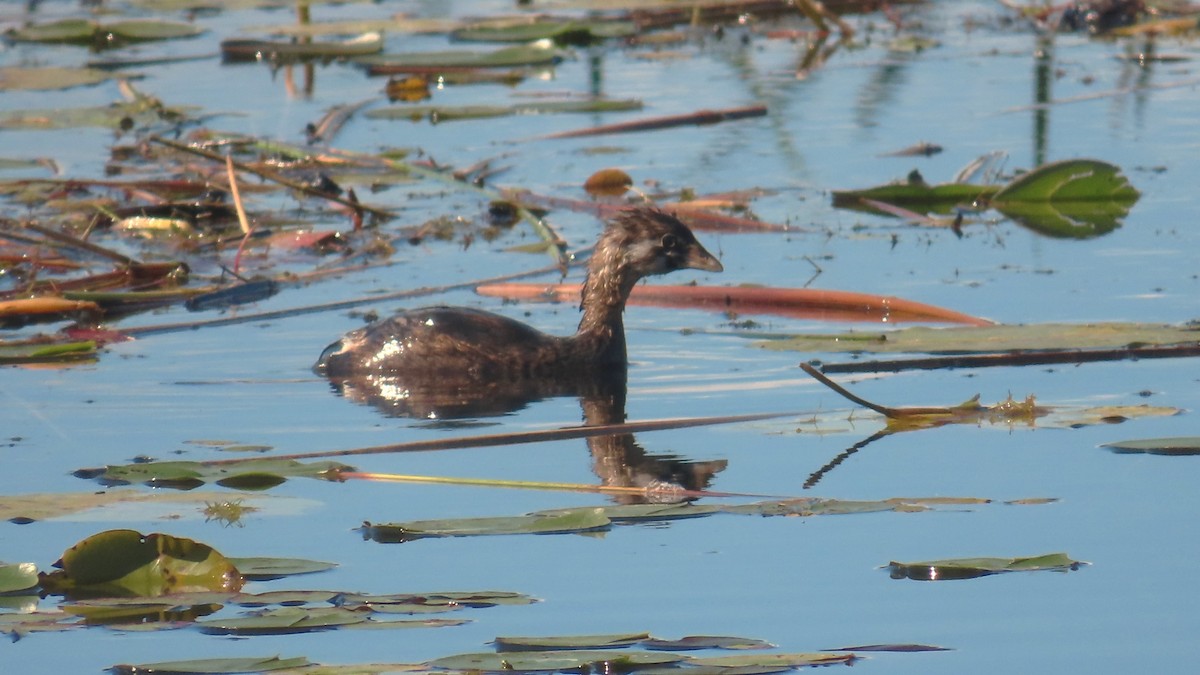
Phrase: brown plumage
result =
(464, 344)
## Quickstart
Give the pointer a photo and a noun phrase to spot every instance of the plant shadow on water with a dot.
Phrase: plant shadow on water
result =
(741, 118)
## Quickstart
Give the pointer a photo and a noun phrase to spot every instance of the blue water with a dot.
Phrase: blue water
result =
(802, 583)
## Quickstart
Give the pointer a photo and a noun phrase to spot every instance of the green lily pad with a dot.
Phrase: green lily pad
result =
(1180, 445)
(524, 644)
(82, 31)
(606, 661)
(17, 577)
(567, 522)
(768, 660)
(915, 195)
(212, 666)
(267, 569)
(1071, 180)
(707, 642)
(437, 113)
(126, 562)
(284, 621)
(252, 472)
(561, 32)
(989, 339)
(508, 57)
(629, 513)
(970, 568)
(47, 353)
(50, 77)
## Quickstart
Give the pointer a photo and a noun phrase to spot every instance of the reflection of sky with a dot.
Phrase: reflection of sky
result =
(805, 584)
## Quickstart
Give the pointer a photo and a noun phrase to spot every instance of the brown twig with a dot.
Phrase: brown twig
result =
(700, 117)
(271, 176)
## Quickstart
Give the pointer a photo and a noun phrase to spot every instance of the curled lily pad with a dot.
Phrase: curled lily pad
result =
(971, 568)
(126, 562)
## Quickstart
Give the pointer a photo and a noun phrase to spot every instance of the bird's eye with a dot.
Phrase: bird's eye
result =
(670, 242)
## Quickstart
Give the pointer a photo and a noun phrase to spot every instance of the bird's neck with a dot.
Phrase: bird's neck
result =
(608, 284)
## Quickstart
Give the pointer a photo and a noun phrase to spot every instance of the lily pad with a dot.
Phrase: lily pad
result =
(524, 644)
(766, 660)
(126, 562)
(443, 113)
(17, 577)
(82, 31)
(284, 621)
(212, 666)
(267, 569)
(628, 513)
(546, 661)
(187, 475)
(525, 55)
(47, 353)
(971, 568)
(707, 642)
(1180, 445)
(567, 522)
(988, 339)
(1073, 180)
(561, 32)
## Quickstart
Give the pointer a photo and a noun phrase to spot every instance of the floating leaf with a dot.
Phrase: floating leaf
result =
(1180, 445)
(606, 661)
(970, 568)
(126, 562)
(566, 522)
(187, 475)
(82, 31)
(891, 648)
(523, 644)
(50, 77)
(1072, 180)
(916, 195)
(768, 660)
(707, 642)
(284, 621)
(254, 50)
(561, 32)
(42, 506)
(626, 513)
(988, 339)
(442, 113)
(47, 353)
(17, 577)
(537, 54)
(213, 666)
(267, 569)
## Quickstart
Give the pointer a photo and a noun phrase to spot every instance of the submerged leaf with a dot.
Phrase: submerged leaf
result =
(970, 568)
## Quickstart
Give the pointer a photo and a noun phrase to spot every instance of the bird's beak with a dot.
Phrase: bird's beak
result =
(700, 259)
